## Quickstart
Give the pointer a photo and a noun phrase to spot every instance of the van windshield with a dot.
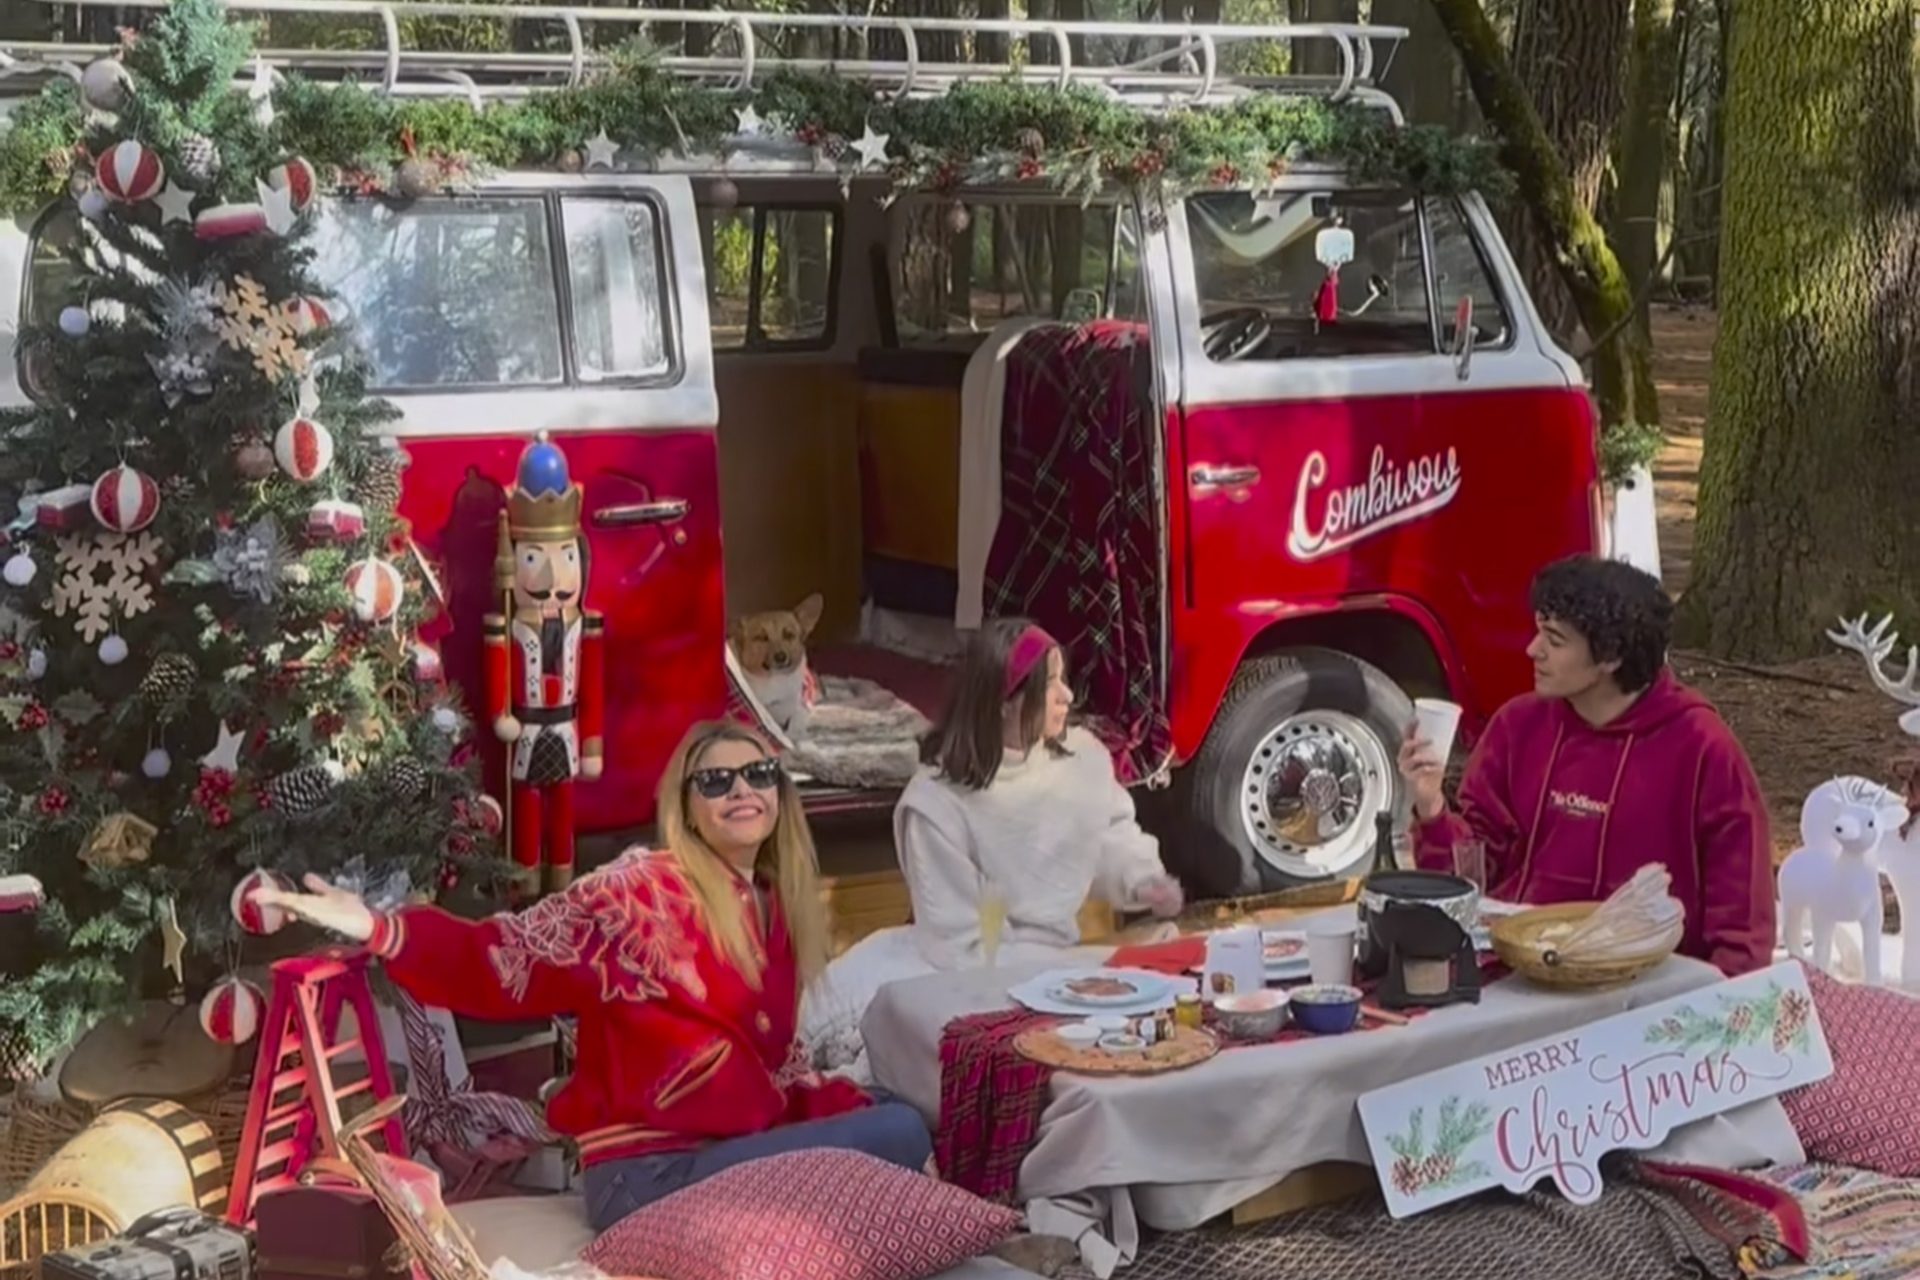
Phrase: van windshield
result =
(1270, 268)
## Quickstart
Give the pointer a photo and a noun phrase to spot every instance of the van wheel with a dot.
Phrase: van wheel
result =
(1300, 759)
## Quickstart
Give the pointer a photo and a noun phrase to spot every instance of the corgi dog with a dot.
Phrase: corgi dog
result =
(772, 650)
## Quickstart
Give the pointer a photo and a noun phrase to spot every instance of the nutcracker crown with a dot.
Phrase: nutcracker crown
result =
(545, 503)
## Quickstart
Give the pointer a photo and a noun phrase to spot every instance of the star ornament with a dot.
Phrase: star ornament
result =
(748, 123)
(173, 942)
(226, 752)
(872, 148)
(278, 203)
(601, 150)
(175, 204)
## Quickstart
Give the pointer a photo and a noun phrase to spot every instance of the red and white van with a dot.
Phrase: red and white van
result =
(761, 377)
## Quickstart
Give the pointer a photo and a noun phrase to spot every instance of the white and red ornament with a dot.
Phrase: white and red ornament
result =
(376, 588)
(303, 448)
(309, 314)
(488, 815)
(125, 500)
(427, 667)
(227, 221)
(230, 1012)
(296, 178)
(250, 914)
(129, 172)
(335, 520)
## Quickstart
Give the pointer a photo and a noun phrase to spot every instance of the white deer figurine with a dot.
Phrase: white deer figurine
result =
(1833, 878)
(1899, 852)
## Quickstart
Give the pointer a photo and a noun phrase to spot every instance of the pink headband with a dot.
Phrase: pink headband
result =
(1029, 651)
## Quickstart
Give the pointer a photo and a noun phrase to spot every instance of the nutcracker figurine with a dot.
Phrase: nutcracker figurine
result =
(544, 665)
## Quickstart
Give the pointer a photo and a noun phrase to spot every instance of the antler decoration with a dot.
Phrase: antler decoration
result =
(1876, 646)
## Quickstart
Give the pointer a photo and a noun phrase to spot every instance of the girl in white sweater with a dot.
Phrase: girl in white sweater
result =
(1010, 797)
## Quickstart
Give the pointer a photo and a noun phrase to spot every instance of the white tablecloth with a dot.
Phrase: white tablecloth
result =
(1189, 1145)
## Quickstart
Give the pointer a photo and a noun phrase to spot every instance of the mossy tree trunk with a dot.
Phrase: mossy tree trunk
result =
(1622, 379)
(1646, 135)
(1811, 475)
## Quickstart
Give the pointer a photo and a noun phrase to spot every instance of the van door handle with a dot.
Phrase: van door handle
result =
(664, 511)
(1225, 477)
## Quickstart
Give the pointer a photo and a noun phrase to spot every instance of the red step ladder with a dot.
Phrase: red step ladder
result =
(294, 1109)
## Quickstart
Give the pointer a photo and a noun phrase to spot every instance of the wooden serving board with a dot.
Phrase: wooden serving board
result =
(1187, 1048)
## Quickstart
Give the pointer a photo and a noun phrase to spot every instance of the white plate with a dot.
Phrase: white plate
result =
(1135, 992)
(1156, 992)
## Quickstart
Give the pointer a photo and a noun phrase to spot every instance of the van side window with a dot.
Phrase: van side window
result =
(1258, 265)
(446, 293)
(770, 276)
(1460, 270)
(616, 288)
(958, 270)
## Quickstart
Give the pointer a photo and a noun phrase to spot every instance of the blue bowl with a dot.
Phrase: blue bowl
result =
(1326, 1010)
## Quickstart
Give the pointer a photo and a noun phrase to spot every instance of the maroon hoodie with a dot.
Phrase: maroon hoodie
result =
(1569, 812)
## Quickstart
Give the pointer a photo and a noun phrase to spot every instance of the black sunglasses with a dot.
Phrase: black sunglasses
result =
(714, 784)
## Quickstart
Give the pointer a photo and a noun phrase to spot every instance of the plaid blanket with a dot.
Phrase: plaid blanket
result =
(1078, 545)
(1654, 1222)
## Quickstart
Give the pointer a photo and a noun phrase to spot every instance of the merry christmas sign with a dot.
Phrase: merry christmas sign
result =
(1552, 1108)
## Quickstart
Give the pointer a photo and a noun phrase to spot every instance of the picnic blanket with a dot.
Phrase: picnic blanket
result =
(1654, 1222)
(992, 1098)
(1863, 1225)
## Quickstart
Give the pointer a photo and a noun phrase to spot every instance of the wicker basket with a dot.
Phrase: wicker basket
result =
(1517, 941)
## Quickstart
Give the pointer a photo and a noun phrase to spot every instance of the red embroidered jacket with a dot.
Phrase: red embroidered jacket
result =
(676, 1050)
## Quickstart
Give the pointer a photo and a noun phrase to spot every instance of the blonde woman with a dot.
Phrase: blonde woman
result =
(684, 966)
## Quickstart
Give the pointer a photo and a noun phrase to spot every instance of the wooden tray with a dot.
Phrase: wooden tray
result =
(1187, 1048)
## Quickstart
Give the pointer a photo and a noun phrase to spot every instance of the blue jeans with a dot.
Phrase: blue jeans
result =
(893, 1131)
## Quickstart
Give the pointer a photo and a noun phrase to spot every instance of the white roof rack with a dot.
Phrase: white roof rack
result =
(1166, 63)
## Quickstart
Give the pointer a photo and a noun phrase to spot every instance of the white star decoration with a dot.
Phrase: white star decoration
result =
(260, 93)
(749, 123)
(226, 752)
(872, 148)
(601, 150)
(278, 202)
(175, 204)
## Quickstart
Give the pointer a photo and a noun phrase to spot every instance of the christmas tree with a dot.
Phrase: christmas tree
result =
(209, 620)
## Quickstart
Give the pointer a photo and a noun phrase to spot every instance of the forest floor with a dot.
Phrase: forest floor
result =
(1801, 722)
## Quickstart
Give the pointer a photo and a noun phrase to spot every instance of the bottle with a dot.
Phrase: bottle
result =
(1384, 859)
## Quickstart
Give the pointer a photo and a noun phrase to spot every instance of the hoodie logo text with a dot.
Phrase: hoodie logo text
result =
(1581, 806)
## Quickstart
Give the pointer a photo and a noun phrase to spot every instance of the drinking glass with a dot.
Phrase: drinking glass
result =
(993, 917)
(1470, 863)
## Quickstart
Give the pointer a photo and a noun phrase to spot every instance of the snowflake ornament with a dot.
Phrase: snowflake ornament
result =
(103, 577)
(248, 322)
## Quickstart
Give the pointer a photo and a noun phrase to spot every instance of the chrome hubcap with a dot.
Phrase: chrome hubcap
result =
(1312, 787)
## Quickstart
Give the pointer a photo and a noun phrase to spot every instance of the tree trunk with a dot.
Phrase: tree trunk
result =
(1622, 381)
(1808, 484)
(1645, 139)
(1422, 75)
(1319, 57)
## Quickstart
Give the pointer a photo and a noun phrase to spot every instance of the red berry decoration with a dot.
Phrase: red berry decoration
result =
(54, 800)
(33, 716)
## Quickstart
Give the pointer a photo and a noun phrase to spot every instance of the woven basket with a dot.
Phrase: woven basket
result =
(1517, 941)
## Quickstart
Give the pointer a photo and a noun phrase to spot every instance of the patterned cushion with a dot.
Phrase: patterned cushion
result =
(1862, 1114)
(806, 1215)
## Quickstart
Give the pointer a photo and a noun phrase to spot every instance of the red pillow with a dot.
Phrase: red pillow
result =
(1862, 1114)
(806, 1215)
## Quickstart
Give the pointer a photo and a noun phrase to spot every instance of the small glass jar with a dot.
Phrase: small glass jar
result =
(1187, 1011)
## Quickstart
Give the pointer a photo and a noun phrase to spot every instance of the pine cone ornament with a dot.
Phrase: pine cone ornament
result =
(405, 776)
(200, 158)
(379, 488)
(168, 684)
(303, 790)
(1031, 141)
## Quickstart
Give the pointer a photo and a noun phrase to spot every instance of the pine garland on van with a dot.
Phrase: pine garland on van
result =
(1076, 139)
(209, 658)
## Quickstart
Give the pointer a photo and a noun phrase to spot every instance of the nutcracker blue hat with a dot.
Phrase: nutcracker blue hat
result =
(545, 503)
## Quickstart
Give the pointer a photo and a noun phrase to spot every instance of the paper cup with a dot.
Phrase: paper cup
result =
(1330, 947)
(1439, 721)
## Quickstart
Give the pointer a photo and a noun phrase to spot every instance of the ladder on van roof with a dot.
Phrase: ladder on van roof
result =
(1163, 64)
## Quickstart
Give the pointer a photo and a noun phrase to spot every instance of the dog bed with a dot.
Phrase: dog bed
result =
(859, 735)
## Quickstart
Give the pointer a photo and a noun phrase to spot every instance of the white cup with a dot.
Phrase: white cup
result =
(1439, 721)
(1330, 945)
